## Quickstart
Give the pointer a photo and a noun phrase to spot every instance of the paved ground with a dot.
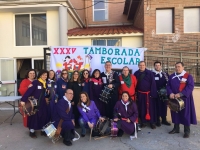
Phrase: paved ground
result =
(15, 137)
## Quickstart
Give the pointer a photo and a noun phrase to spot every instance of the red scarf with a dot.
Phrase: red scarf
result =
(86, 80)
(96, 80)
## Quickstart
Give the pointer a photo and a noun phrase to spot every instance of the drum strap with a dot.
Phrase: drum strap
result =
(183, 84)
(147, 117)
(41, 94)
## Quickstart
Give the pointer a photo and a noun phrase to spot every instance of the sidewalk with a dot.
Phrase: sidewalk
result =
(15, 137)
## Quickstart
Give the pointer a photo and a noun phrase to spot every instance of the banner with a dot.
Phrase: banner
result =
(94, 57)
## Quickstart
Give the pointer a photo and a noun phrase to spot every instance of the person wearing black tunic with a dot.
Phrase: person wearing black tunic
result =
(85, 78)
(110, 79)
(75, 85)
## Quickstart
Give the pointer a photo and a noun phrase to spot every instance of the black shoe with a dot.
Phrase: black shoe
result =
(68, 143)
(42, 133)
(82, 135)
(158, 124)
(143, 125)
(153, 126)
(120, 133)
(174, 131)
(32, 135)
(166, 123)
(186, 135)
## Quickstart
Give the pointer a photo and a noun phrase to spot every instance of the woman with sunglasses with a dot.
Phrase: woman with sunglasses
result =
(85, 81)
(62, 84)
(75, 85)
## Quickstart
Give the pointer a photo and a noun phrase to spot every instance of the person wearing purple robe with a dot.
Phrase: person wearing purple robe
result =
(89, 113)
(146, 95)
(110, 79)
(37, 90)
(96, 86)
(126, 114)
(64, 118)
(161, 79)
(181, 85)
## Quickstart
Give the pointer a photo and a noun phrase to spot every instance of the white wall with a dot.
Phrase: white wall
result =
(79, 42)
(136, 41)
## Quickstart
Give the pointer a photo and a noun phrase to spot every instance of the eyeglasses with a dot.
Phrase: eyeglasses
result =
(70, 93)
(85, 73)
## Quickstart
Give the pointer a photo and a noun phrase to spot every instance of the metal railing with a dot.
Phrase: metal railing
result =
(168, 58)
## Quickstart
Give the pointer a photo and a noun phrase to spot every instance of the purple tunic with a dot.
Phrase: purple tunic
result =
(41, 118)
(95, 91)
(61, 113)
(161, 106)
(147, 84)
(92, 115)
(131, 113)
(187, 115)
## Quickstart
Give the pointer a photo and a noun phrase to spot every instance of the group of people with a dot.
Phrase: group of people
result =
(134, 99)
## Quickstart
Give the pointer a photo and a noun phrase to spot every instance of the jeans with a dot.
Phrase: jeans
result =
(83, 126)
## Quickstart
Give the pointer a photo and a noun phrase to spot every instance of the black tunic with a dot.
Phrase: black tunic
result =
(114, 97)
(77, 88)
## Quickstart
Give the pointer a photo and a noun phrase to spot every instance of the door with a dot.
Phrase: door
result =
(37, 64)
(8, 76)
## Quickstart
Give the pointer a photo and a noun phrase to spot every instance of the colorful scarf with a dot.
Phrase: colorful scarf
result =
(127, 80)
(43, 82)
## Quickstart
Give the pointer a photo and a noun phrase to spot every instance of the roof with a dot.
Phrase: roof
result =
(103, 30)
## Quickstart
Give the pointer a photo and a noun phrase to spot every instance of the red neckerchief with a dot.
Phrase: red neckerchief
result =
(183, 84)
(86, 80)
(96, 80)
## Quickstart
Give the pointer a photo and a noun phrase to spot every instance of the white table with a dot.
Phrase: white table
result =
(8, 100)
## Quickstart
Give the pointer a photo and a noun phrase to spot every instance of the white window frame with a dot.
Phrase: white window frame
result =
(172, 25)
(106, 10)
(30, 28)
(190, 22)
(106, 39)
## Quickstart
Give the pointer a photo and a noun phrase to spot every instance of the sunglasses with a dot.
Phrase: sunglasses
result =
(85, 73)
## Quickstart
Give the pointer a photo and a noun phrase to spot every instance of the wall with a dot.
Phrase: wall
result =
(132, 41)
(177, 40)
(139, 17)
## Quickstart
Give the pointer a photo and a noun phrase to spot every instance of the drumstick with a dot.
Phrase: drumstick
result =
(91, 133)
(101, 137)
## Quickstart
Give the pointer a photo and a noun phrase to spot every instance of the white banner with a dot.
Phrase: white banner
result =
(94, 57)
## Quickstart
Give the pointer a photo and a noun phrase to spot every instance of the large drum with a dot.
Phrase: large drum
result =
(102, 128)
(106, 94)
(176, 104)
(30, 106)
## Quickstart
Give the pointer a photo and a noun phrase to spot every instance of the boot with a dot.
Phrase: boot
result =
(176, 129)
(186, 132)
(67, 138)
(153, 126)
(164, 121)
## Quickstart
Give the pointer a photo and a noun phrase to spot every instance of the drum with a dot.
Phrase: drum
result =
(114, 129)
(50, 130)
(30, 106)
(163, 94)
(106, 94)
(176, 104)
(102, 128)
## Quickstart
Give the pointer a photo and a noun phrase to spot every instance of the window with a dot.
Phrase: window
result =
(106, 42)
(192, 20)
(100, 10)
(164, 21)
(30, 29)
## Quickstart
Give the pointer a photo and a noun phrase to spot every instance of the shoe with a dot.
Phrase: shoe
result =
(120, 133)
(143, 125)
(32, 135)
(166, 123)
(153, 126)
(68, 143)
(42, 133)
(82, 135)
(158, 124)
(186, 135)
(174, 131)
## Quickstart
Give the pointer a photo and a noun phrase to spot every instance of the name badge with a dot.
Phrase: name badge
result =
(79, 84)
(122, 82)
(39, 87)
(104, 80)
(96, 83)
(55, 86)
(63, 86)
(49, 85)
(156, 78)
(184, 79)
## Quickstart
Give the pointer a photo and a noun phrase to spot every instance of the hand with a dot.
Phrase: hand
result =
(73, 122)
(72, 103)
(58, 131)
(110, 86)
(128, 120)
(101, 119)
(47, 100)
(22, 103)
(171, 96)
(116, 119)
(90, 125)
(83, 84)
(30, 85)
(177, 95)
